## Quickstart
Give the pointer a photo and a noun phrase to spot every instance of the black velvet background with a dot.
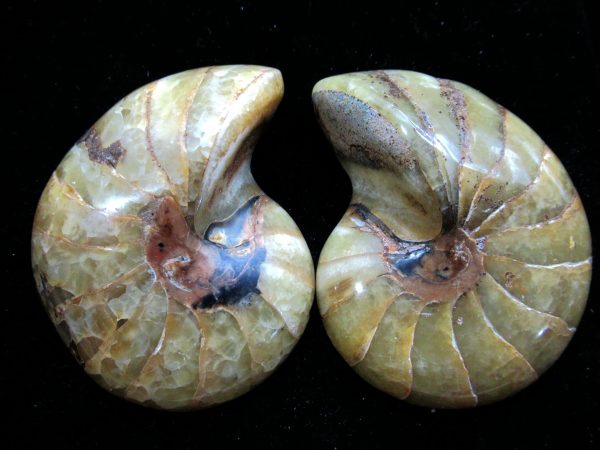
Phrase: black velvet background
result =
(63, 66)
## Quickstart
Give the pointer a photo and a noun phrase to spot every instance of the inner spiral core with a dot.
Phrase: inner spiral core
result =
(440, 270)
(222, 267)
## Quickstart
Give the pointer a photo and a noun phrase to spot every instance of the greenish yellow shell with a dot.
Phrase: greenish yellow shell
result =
(461, 269)
(174, 279)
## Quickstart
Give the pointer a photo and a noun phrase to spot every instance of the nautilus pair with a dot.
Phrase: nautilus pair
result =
(455, 278)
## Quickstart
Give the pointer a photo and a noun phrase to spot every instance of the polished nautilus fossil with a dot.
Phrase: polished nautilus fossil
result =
(173, 278)
(461, 268)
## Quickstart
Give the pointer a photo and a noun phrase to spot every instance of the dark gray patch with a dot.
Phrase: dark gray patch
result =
(405, 261)
(358, 132)
(239, 270)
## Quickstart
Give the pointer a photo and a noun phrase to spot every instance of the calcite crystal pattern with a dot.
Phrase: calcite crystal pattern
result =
(175, 281)
(461, 268)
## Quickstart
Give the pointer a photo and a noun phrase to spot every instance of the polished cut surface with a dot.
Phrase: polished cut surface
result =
(461, 268)
(175, 281)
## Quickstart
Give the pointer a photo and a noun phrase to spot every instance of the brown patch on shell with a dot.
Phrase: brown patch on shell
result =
(53, 297)
(341, 290)
(180, 260)
(88, 347)
(393, 89)
(458, 108)
(400, 93)
(109, 156)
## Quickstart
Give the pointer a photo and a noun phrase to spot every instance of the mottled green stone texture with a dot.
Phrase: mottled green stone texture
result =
(176, 282)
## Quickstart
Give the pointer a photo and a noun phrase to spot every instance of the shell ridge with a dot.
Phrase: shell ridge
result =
(409, 359)
(289, 268)
(399, 319)
(102, 248)
(109, 165)
(499, 336)
(202, 354)
(72, 194)
(567, 264)
(538, 337)
(136, 381)
(561, 293)
(460, 113)
(148, 133)
(256, 365)
(371, 333)
(126, 276)
(93, 363)
(508, 203)
(183, 129)
(460, 356)
(551, 317)
(132, 185)
(509, 373)
(570, 209)
(335, 305)
(493, 171)
(208, 74)
(99, 183)
(169, 368)
(210, 163)
(565, 239)
(462, 375)
(289, 327)
(347, 257)
(426, 132)
(548, 195)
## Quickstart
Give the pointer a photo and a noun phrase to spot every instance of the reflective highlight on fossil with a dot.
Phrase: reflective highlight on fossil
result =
(461, 269)
(175, 281)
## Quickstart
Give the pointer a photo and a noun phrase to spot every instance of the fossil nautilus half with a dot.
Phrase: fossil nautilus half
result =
(173, 278)
(461, 268)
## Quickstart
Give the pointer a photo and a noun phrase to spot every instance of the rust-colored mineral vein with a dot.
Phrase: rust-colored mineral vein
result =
(493, 171)
(149, 142)
(517, 196)
(425, 122)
